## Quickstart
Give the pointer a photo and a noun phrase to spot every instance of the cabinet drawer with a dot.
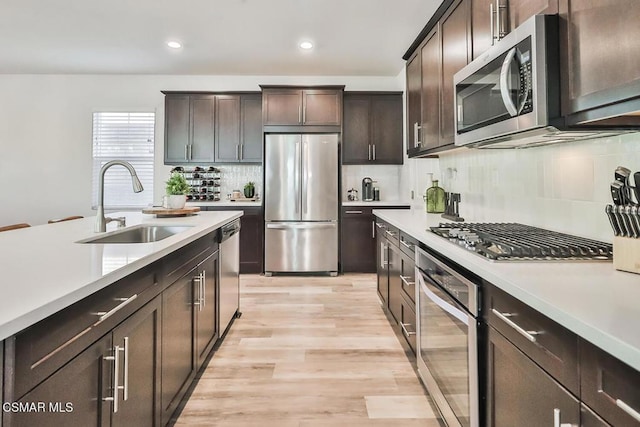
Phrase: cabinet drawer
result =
(408, 321)
(179, 263)
(589, 419)
(408, 277)
(549, 344)
(43, 348)
(408, 244)
(348, 211)
(610, 387)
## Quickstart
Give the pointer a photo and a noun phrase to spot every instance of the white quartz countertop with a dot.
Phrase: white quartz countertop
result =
(225, 203)
(379, 203)
(592, 299)
(44, 270)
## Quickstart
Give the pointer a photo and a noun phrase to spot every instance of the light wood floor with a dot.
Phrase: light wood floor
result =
(309, 352)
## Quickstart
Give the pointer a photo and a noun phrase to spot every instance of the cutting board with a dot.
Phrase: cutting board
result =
(161, 212)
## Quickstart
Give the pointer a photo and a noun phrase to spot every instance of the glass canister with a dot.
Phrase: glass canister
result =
(435, 199)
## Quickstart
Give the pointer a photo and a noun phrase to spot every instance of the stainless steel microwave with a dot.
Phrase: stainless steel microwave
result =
(509, 97)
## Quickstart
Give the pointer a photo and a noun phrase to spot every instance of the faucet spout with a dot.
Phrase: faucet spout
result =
(101, 221)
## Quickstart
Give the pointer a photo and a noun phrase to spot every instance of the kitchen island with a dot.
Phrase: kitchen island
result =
(113, 332)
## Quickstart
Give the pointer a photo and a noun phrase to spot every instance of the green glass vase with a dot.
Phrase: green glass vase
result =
(435, 199)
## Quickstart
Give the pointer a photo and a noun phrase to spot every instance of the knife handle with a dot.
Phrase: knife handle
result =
(612, 220)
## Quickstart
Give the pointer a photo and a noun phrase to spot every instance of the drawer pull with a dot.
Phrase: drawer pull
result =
(104, 315)
(505, 318)
(408, 246)
(405, 331)
(556, 419)
(406, 282)
(390, 233)
(353, 212)
(380, 226)
(628, 409)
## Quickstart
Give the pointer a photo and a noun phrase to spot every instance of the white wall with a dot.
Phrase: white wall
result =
(562, 187)
(45, 131)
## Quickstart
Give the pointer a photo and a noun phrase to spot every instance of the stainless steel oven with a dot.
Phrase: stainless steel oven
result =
(447, 345)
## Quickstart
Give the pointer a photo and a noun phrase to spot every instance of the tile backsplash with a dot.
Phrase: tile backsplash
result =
(234, 177)
(387, 178)
(562, 187)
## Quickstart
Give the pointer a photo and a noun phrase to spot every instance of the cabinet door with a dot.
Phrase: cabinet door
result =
(322, 107)
(356, 137)
(358, 241)
(178, 361)
(588, 418)
(227, 128)
(520, 393)
(139, 370)
(206, 313)
(282, 107)
(73, 396)
(431, 77)
(382, 261)
(251, 241)
(600, 53)
(202, 129)
(521, 10)
(176, 128)
(414, 101)
(481, 26)
(395, 283)
(251, 128)
(456, 50)
(386, 129)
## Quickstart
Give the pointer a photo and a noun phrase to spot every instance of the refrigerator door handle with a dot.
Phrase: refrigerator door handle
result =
(305, 177)
(299, 226)
(297, 176)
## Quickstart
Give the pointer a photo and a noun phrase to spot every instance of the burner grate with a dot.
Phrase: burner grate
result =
(519, 242)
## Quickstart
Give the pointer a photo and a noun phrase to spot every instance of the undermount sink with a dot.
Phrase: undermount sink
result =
(139, 234)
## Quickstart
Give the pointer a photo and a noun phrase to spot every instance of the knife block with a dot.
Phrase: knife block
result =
(626, 254)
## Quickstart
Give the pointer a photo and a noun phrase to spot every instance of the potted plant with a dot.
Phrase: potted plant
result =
(249, 190)
(177, 189)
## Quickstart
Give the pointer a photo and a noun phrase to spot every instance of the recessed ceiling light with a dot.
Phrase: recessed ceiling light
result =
(306, 45)
(174, 44)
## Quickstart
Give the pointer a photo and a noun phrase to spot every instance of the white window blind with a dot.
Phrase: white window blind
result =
(129, 137)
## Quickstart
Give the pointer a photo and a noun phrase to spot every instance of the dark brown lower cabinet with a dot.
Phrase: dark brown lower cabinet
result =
(206, 313)
(358, 241)
(395, 283)
(178, 360)
(520, 393)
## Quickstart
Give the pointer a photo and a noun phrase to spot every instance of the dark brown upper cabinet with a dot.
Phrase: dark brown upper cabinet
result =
(213, 128)
(189, 129)
(600, 61)
(285, 106)
(443, 52)
(372, 130)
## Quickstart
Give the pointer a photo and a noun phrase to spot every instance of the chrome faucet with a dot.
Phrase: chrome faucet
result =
(101, 221)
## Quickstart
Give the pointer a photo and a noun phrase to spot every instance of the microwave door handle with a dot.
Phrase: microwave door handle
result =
(504, 83)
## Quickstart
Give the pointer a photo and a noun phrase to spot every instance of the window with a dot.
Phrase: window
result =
(129, 137)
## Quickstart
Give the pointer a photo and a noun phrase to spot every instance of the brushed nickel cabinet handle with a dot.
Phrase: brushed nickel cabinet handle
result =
(556, 419)
(116, 374)
(241, 152)
(505, 318)
(204, 289)
(390, 233)
(628, 409)
(125, 390)
(198, 297)
(237, 151)
(408, 246)
(104, 315)
(380, 226)
(492, 24)
(373, 229)
(353, 212)
(186, 152)
(374, 151)
(300, 114)
(369, 155)
(406, 282)
(405, 331)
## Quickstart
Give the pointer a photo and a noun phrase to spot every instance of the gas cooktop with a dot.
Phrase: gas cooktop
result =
(519, 242)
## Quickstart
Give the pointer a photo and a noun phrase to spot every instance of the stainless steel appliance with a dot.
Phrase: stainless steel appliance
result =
(519, 242)
(367, 189)
(510, 96)
(301, 203)
(447, 346)
(229, 290)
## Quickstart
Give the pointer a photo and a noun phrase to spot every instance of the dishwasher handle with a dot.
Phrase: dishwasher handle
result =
(229, 230)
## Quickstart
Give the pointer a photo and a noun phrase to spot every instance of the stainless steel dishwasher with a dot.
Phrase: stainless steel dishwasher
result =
(229, 293)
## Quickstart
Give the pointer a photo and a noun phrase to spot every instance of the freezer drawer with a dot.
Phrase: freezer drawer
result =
(301, 247)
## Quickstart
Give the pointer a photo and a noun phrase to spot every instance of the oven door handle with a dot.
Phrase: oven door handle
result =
(504, 83)
(446, 306)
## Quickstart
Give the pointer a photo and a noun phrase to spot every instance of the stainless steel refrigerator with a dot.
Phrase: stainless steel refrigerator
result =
(301, 203)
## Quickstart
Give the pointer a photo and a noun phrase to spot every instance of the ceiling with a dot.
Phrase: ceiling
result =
(219, 37)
